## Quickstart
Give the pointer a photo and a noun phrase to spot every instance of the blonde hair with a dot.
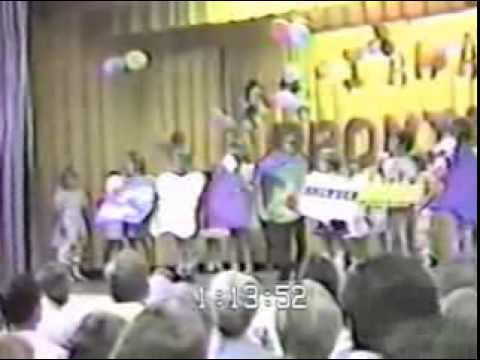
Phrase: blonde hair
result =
(68, 172)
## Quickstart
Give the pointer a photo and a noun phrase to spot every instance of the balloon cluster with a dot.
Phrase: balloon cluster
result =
(294, 35)
(132, 61)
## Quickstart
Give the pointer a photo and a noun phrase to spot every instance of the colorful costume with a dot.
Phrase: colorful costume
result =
(228, 209)
(130, 205)
(110, 228)
(228, 201)
(460, 196)
(279, 177)
(177, 213)
(140, 192)
(178, 204)
(453, 212)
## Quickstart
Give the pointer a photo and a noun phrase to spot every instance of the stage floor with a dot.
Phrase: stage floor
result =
(100, 287)
(92, 292)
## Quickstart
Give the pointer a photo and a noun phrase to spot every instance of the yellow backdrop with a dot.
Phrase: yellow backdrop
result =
(330, 100)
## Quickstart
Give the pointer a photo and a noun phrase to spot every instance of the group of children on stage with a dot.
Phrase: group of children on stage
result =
(285, 195)
(238, 197)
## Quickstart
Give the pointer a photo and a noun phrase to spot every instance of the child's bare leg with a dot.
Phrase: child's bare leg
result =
(213, 254)
(246, 249)
(187, 262)
(398, 231)
(325, 233)
(209, 258)
(107, 254)
(445, 239)
(63, 253)
(151, 241)
(468, 244)
(423, 234)
(182, 257)
(302, 249)
(113, 246)
(403, 232)
(145, 246)
(345, 246)
(233, 248)
(390, 235)
(191, 257)
(76, 261)
(359, 248)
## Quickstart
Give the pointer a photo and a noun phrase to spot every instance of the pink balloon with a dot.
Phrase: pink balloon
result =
(299, 35)
(286, 101)
(113, 65)
(280, 31)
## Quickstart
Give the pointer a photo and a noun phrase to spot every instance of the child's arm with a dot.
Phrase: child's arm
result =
(259, 191)
(433, 188)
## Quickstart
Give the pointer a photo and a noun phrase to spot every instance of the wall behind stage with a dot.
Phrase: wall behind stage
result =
(88, 120)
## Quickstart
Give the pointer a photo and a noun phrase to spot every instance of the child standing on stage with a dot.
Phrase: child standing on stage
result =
(329, 201)
(113, 230)
(179, 191)
(71, 226)
(400, 168)
(229, 203)
(138, 233)
(279, 177)
(454, 209)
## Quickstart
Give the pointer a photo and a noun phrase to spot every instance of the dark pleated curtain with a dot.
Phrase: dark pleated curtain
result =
(14, 110)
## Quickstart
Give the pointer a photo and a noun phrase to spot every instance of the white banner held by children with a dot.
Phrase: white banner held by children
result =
(330, 197)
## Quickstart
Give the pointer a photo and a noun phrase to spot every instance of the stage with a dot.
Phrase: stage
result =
(93, 289)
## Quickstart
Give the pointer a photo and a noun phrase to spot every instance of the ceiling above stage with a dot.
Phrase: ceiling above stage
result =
(137, 17)
(57, 7)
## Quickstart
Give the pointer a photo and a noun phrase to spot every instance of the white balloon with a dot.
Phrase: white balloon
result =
(136, 60)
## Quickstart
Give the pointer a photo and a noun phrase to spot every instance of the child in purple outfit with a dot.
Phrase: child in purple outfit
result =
(229, 205)
(457, 203)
